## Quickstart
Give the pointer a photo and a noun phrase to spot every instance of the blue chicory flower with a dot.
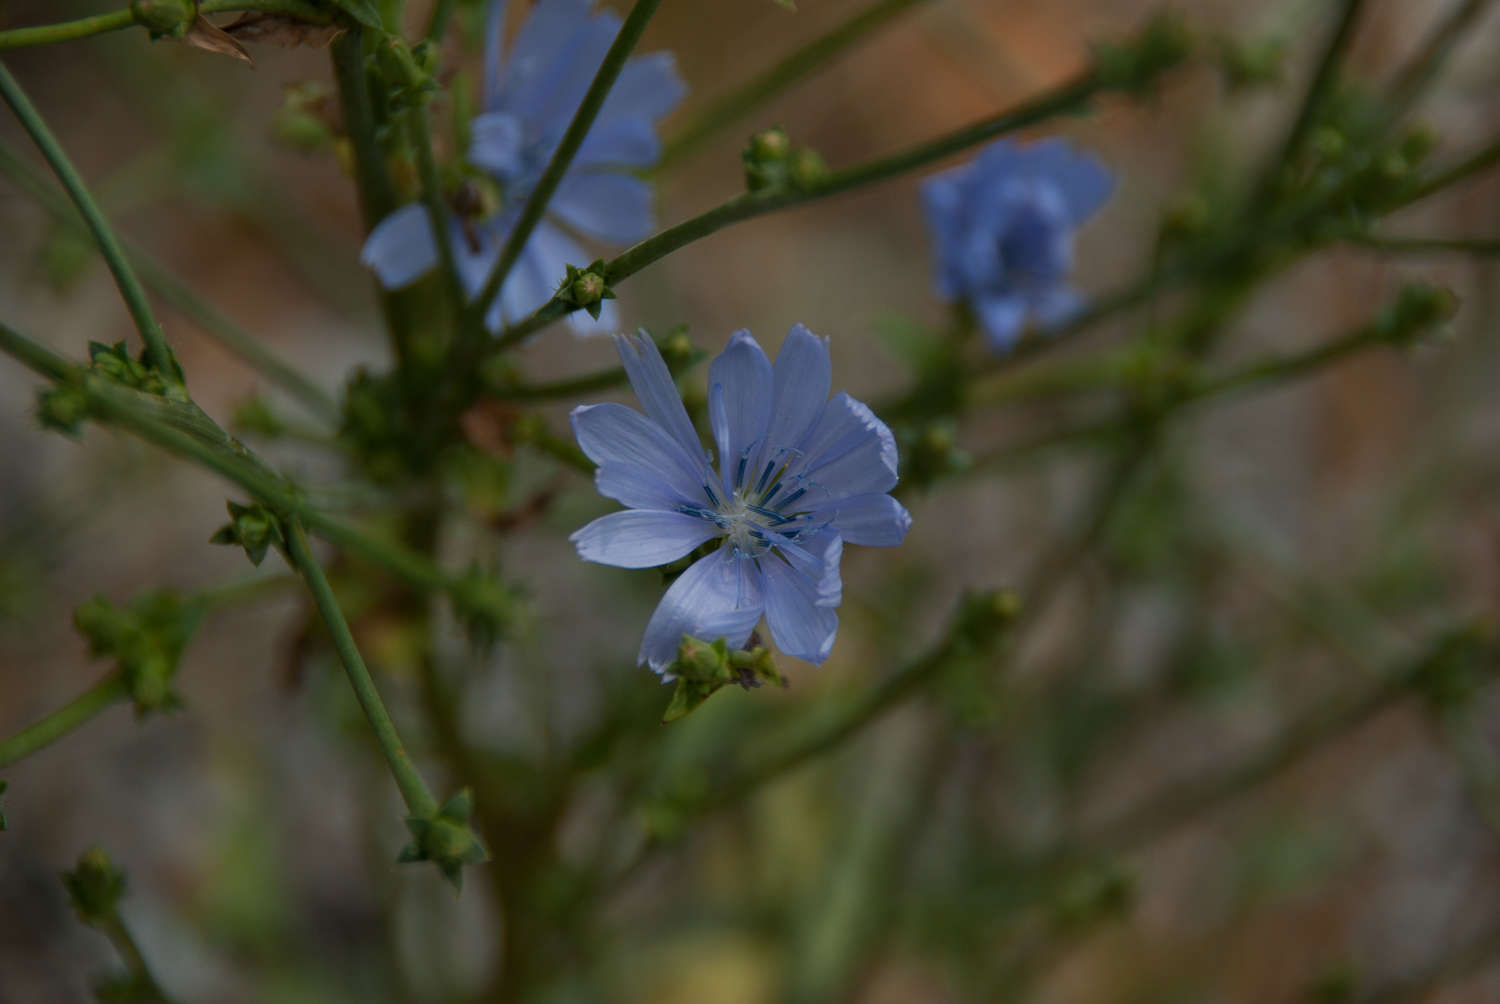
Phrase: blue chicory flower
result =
(528, 101)
(1002, 226)
(800, 476)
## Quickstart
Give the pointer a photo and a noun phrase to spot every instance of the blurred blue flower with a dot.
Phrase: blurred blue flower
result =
(800, 476)
(528, 102)
(1002, 226)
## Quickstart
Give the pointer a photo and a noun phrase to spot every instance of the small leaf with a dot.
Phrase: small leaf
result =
(205, 35)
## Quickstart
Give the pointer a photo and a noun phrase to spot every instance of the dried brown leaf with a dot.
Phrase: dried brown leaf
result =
(205, 35)
(279, 29)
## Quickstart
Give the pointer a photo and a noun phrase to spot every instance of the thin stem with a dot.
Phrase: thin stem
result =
(583, 119)
(420, 138)
(1313, 102)
(181, 428)
(733, 106)
(1423, 68)
(419, 800)
(1185, 800)
(1478, 247)
(47, 34)
(1480, 160)
(144, 983)
(180, 296)
(377, 196)
(442, 11)
(1071, 95)
(114, 255)
(106, 693)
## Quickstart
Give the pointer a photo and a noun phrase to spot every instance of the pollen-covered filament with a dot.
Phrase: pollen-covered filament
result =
(760, 506)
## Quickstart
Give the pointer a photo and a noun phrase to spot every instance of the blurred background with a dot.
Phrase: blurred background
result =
(1189, 705)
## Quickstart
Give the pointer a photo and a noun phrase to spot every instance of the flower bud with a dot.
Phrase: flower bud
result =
(63, 408)
(164, 17)
(95, 887)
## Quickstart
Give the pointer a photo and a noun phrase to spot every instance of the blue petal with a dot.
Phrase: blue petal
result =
(624, 142)
(641, 538)
(1085, 183)
(847, 427)
(494, 53)
(549, 98)
(652, 382)
(496, 144)
(400, 249)
(1001, 315)
(739, 386)
(612, 434)
(648, 87)
(719, 596)
(635, 487)
(816, 556)
(612, 207)
(803, 375)
(874, 520)
(541, 40)
(942, 200)
(801, 628)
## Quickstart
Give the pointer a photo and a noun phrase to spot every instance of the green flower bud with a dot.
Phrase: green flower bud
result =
(446, 839)
(1418, 308)
(808, 169)
(63, 408)
(95, 887)
(1162, 45)
(253, 527)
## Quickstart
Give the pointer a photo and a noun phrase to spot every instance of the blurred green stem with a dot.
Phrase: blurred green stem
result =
(107, 692)
(1477, 247)
(1423, 68)
(181, 428)
(144, 988)
(419, 800)
(114, 255)
(731, 107)
(1313, 101)
(98, 24)
(181, 296)
(625, 41)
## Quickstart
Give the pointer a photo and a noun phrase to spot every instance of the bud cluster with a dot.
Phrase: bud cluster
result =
(146, 641)
(773, 164)
(446, 839)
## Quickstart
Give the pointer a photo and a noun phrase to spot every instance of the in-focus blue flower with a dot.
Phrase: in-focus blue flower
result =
(800, 476)
(528, 101)
(1002, 226)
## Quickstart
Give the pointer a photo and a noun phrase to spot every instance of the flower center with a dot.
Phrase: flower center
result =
(760, 505)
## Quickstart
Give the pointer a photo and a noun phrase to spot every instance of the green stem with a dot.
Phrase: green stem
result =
(1423, 68)
(181, 296)
(418, 135)
(442, 11)
(419, 800)
(104, 694)
(1313, 102)
(146, 989)
(1071, 95)
(1479, 247)
(377, 196)
(114, 255)
(583, 119)
(733, 106)
(46, 34)
(181, 428)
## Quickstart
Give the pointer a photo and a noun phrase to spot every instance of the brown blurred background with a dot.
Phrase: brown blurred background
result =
(1346, 515)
